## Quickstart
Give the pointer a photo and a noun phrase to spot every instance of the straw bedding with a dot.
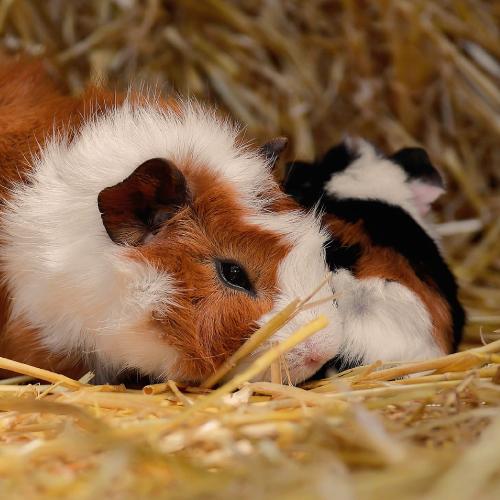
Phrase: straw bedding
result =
(396, 72)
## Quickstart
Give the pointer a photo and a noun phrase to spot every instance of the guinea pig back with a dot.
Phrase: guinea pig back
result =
(397, 297)
(141, 233)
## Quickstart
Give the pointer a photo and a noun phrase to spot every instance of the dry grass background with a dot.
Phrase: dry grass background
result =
(398, 72)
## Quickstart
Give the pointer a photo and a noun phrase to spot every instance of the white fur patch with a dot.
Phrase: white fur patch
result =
(382, 320)
(299, 274)
(71, 282)
(372, 177)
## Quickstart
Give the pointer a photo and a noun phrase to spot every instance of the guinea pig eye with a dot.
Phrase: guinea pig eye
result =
(234, 276)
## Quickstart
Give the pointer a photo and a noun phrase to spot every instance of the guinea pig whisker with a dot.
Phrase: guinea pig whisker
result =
(275, 368)
(93, 351)
(106, 332)
(208, 357)
(318, 302)
(323, 282)
(287, 370)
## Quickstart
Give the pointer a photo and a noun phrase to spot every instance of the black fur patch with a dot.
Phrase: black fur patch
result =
(417, 165)
(338, 158)
(306, 181)
(336, 365)
(340, 256)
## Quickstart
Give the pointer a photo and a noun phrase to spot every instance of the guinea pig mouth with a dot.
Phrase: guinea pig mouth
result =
(335, 365)
(132, 379)
(296, 372)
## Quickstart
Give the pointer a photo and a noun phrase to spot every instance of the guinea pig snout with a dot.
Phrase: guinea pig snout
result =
(313, 355)
(312, 358)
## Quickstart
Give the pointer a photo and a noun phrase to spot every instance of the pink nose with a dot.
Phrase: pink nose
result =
(313, 359)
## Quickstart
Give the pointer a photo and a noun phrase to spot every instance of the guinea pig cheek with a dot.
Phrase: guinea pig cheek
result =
(140, 346)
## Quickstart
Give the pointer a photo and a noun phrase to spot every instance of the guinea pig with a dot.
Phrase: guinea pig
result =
(141, 233)
(397, 297)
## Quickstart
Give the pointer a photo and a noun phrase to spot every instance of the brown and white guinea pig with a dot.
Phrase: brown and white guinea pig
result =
(396, 296)
(143, 234)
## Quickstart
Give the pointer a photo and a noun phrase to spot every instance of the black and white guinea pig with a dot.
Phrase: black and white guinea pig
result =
(397, 298)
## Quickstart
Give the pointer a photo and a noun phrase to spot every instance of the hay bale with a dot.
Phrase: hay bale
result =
(365, 433)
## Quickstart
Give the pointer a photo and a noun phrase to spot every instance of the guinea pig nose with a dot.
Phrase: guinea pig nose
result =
(314, 359)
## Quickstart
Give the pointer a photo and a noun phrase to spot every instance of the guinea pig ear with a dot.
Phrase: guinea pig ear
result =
(425, 181)
(271, 151)
(133, 210)
(306, 181)
(340, 156)
(306, 175)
